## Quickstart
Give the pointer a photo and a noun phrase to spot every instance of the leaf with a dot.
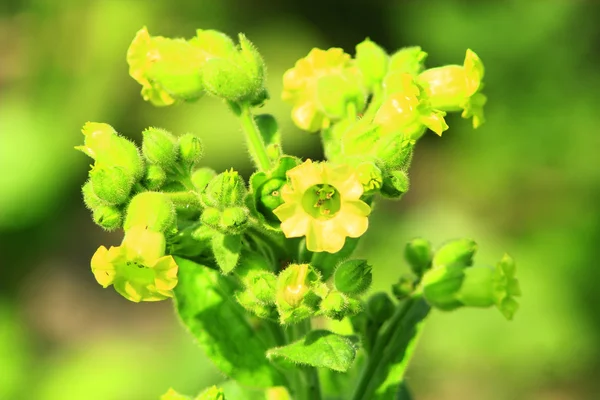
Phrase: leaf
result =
(226, 249)
(403, 392)
(205, 302)
(319, 348)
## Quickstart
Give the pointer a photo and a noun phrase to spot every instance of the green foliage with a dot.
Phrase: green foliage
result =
(204, 300)
(319, 348)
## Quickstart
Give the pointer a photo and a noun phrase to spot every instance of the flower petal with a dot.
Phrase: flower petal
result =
(297, 225)
(102, 268)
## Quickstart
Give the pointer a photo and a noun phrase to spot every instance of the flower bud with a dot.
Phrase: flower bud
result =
(380, 307)
(337, 306)
(395, 184)
(395, 151)
(160, 147)
(190, 149)
(353, 277)
(90, 199)
(153, 210)
(111, 184)
(456, 252)
(372, 61)
(234, 220)
(419, 255)
(404, 287)
(105, 146)
(211, 216)
(250, 302)
(201, 177)
(108, 217)
(408, 60)
(155, 177)
(299, 292)
(225, 190)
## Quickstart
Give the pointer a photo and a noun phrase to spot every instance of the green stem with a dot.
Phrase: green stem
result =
(392, 343)
(254, 139)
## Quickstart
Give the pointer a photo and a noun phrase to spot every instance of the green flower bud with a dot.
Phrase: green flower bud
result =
(419, 255)
(211, 216)
(90, 199)
(108, 217)
(250, 302)
(353, 277)
(155, 177)
(105, 146)
(370, 176)
(201, 177)
(187, 203)
(456, 252)
(225, 190)
(190, 149)
(441, 286)
(337, 306)
(408, 60)
(111, 184)
(160, 147)
(372, 61)
(153, 210)
(404, 287)
(234, 220)
(380, 307)
(395, 184)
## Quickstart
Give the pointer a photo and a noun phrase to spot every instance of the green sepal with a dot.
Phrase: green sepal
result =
(111, 184)
(153, 210)
(405, 287)
(457, 252)
(320, 349)
(160, 147)
(372, 60)
(226, 249)
(155, 177)
(419, 255)
(300, 289)
(353, 277)
(408, 60)
(269, 130)
(90, 198)
(441, 286)
(230, 221)
(337, 305)
(395, 151)
(205, 302)
(107, 217)
(395, 184)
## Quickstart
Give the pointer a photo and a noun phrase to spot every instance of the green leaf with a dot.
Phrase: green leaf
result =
(206, 305)
(319, 348)
(226, 249)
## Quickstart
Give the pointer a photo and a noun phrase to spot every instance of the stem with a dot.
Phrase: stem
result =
(254, 139)
(393, 342)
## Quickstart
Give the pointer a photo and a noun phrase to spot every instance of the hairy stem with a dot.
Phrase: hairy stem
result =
(305, 385)
(256, 146)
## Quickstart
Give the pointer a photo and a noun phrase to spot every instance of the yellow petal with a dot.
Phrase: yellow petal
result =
(102, 268)
(324, 236)
(297, 225)
(354, 225)
(144, 244)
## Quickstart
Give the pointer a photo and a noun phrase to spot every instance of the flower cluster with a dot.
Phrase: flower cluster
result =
(281, 242)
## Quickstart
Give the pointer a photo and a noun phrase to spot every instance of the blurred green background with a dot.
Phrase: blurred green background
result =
(527, 182)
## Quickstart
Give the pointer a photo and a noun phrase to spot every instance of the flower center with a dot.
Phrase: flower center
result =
(321, 201)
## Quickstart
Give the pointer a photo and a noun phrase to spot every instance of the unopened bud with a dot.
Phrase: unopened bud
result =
(155, 177)
(111, 184)
(372, 61)
(225, 190)
(190, 149)
(353, 277)
(380, 307)
(160, 147)
(419, 255)
(409, 60)
(108, 217)
(201, 177)
(456, 252)
(395, 184)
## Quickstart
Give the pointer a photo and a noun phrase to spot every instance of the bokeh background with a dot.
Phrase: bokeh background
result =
(528, 182)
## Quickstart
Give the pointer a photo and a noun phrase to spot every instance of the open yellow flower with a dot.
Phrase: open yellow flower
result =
(138, 269)
(322, 202)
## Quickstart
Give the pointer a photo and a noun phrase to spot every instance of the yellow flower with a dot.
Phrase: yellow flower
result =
(138, 269)
(322, 202)
(320, 86)
(457, 87)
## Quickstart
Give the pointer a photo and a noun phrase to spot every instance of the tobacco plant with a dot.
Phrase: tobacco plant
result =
(258, 269)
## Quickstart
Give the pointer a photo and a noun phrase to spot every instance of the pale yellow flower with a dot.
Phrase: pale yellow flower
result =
(322, 202)
(138, 269)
